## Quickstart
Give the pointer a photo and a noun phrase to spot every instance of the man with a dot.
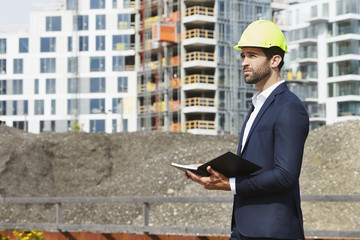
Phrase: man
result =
(267, 202)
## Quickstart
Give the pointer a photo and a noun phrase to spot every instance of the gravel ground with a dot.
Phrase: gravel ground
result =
(138, 164)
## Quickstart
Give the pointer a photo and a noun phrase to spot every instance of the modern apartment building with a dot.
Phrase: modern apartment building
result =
(73, 68)
(323, 64)
(121, 65)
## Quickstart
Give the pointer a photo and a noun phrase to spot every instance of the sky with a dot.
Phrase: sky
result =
(15, 13)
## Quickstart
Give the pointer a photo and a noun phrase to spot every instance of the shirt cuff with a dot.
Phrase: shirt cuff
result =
(233, 184)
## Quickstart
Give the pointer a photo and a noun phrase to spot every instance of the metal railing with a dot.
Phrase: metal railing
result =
(200, 33)
(202, 56)
(200, 124)
(199, 102)
(146, 201)
(199, 78)
(200, 10)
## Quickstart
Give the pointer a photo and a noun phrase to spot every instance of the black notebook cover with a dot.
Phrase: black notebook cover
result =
(229, 164)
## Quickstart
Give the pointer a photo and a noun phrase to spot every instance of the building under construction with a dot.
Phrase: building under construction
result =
(189, 76)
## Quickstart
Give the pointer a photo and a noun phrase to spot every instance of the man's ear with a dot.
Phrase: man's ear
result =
(275, 61)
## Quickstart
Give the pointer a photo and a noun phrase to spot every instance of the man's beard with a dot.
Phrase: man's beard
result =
(259, 75)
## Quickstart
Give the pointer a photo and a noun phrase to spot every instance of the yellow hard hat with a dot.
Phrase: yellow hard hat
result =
(264, 34)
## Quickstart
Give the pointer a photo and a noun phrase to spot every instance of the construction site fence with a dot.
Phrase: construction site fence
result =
(59, 225)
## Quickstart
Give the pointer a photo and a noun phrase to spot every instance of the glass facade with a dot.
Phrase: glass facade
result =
(344, 88)
(348, 108)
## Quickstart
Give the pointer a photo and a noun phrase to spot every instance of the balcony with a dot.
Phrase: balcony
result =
(199, 59)
(199, 82)
(199, 37)
(199, 104)
(199, 15)
(201, 127)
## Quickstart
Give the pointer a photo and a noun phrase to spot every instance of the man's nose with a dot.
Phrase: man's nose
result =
(244, 62)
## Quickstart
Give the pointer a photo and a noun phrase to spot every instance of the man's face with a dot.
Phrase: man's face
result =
(256, 67)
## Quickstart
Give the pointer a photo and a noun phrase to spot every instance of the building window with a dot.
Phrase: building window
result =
(18, 86)
(97, 4)
(47, 65)
(23, 45)
(71, 4)
(73, 85)
(114, 4)
(53, 106)
(72, 64)
(2, 87)
(346, 88)
(97, 105)
(2, 66)
(18, 66)
(117, 105)
(97, 85)
(124, 21)
(26, 107)
(100, 43)
(118, 63)
(97, 64)
(48, 44)
(70, 44)
(121, 42)
(2, 107)
(36, 86)
(127, 3)
(39, 107)
(122, 84)
(350, 108)
(81, 22)
(100, 22)
(73, 106)
(83, 43)
(2, 45)
(118, 127)
(22, 125)
(97, 126)
(53, 24)
(14, 108)
(50, 85)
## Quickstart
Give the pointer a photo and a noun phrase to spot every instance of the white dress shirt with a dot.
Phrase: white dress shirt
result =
(258, 101)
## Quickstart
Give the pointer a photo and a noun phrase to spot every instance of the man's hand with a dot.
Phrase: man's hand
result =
(216, 181)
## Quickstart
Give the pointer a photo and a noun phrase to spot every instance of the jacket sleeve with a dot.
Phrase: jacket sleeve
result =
(284, 152)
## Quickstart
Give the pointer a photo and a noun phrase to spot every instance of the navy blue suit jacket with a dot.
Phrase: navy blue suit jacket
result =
(267, 203)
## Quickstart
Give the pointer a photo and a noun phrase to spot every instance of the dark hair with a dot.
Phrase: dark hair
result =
(270, 52)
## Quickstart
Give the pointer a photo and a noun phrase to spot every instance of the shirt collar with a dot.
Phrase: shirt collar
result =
(259, 98)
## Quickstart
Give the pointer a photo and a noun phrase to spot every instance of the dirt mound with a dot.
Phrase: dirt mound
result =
(137, 164)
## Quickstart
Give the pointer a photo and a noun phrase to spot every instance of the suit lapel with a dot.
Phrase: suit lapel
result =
(281, 88)
(243, 128)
